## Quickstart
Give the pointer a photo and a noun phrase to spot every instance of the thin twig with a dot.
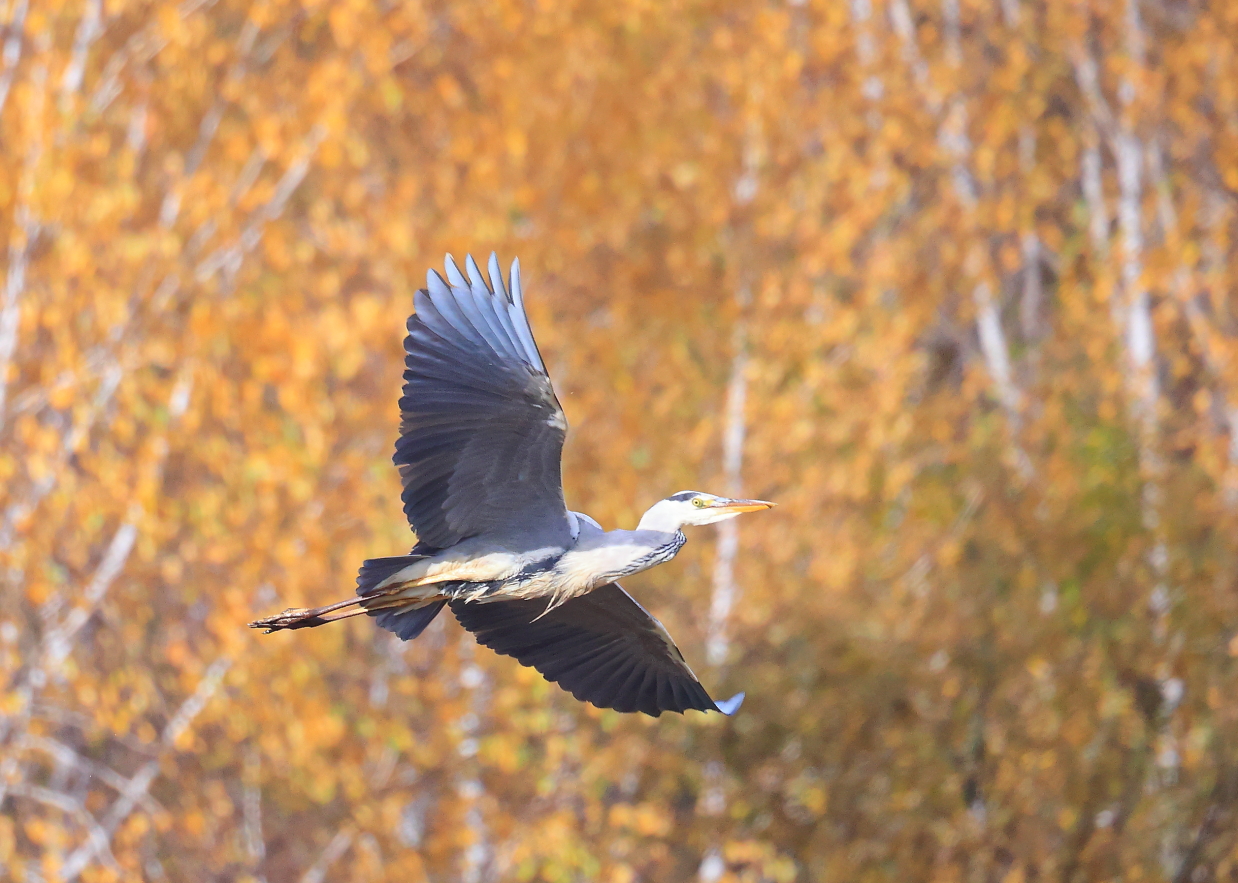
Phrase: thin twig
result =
(89, 30)
(14, 287)
(333, 850)
(12, 49)
(141, 47)
(65, 755)
(251, 807)
(25, 228)
(209, 124)
(227, 259)
(96, 837)
(1190, 861)
(59, 640)
(139, 785)
(78, 430)
(54, 648)
(993, 346)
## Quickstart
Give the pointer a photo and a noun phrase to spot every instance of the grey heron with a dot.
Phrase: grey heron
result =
(481, 434)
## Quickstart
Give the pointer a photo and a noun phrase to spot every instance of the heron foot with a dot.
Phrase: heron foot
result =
(293, 617)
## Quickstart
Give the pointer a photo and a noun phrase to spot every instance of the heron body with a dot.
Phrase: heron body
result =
(557, 572)
(481, 435)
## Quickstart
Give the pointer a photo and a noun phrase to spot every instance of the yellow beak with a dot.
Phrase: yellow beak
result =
(740, 505)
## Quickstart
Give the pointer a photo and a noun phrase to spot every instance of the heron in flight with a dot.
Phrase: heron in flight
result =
(481, 434)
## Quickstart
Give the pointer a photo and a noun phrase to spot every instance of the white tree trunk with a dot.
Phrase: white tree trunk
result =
(725, 590)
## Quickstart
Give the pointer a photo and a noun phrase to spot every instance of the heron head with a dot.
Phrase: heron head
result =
(695, 507)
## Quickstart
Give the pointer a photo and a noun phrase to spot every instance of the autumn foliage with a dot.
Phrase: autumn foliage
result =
(951, 281)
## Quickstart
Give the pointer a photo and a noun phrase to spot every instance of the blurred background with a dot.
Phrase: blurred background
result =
(952, 281)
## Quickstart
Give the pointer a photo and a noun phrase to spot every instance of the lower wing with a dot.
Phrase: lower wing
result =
(602, 648)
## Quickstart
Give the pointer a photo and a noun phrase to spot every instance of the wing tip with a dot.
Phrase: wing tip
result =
(435, 282)
(474, 272)
(496, 277)
(517, 289)
(456, 279)
(454, 276)
(730, 706)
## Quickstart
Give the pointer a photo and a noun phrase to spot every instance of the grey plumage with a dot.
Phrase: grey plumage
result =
(602, 647)
(481, 432)
(481, 435)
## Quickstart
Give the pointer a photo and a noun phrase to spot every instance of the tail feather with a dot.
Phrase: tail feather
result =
(404, 621)
(394, 614)
(375, 570)
(407, 623)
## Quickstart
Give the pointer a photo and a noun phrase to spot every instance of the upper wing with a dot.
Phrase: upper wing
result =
(481, 431)
(602, 647)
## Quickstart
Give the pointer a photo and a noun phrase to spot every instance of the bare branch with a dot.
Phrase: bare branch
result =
(209, 124)
(725, 590)
(88, 31)
(996, 354)
(1033, 288)
(952, 27)
(1091, 182)
(866, 51)
(21, 509)
(333, 850)
(14, 287)
(65, 755)
(60, 715)
(1207, 830)
(58, 640)
(952, 136)
(25, 227)
(251, 807)
(96, 836)
(1087, 76)
(135, 134)
(138, 786)
(1136, 310)
(227, 259)
(12, 48)
(477, 855)
(904, 26)
(141, 47)
(248, 174)
(55, 647)
(1029, 243)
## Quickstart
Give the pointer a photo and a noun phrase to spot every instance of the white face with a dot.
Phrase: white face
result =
(694, 507)
(707, 509)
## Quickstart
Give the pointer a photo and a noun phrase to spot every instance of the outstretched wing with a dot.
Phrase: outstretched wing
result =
(481, 431)
(602, 648)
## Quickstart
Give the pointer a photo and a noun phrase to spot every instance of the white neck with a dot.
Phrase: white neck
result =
(665, 516)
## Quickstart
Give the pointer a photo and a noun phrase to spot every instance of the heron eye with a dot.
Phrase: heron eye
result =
(698, 502)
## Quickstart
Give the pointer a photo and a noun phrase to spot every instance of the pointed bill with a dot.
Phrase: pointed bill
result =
(740, 505)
